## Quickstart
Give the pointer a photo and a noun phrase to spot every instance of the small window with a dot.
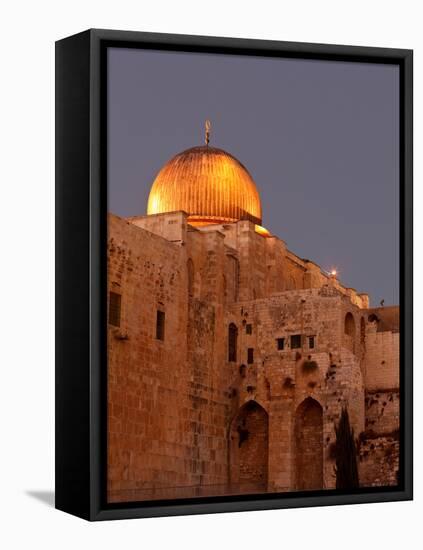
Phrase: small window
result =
(249, 329)
(311, 342)
(114, 308)
(280, 342)
(250, 356)
(160, 325)
(295, 341)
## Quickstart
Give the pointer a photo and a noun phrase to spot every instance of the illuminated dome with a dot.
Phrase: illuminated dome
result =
(209, 184)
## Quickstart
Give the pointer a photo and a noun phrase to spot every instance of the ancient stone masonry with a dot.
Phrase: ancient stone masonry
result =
(186, 418)
(230, 360)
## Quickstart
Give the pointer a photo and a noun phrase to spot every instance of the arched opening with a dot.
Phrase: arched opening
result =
(232, 342)
(349, 331)
(191, 277)
(309, 445)
(373, 318)
(349, 325)
(249, 448)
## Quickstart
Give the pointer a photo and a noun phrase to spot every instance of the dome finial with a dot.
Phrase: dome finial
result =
(208, 127)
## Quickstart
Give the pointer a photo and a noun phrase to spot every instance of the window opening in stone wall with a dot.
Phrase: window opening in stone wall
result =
(248, 328)
(160, 325)
(232, 342)
(295, 341)
(311, 342)
(115, 300)
(250, 356)
(280, 343)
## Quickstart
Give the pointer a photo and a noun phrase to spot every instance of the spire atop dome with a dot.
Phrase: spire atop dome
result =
(207, 134)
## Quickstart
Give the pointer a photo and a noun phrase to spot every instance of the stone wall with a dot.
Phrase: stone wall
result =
(282, 380)
(146, 376)
(382, 360)
(382, 411)
(379, 462)
(185, 418)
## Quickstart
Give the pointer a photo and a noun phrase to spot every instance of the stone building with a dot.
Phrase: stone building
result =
(229, 357)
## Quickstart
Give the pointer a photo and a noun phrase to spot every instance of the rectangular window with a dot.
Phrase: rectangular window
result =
(250, 356)
(249, 329)
(295, 341)
(114, 308)
(160, 325)
(280, 342)
(311, 342)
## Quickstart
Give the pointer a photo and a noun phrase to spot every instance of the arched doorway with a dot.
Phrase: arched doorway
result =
(249, 448)
(309, 445)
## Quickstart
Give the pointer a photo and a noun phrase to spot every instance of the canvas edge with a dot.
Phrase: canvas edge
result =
(94, 412)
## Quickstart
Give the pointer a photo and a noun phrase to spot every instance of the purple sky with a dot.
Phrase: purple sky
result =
(320, 139)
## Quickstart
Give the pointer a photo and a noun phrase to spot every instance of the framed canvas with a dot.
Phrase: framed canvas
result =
(234, 274)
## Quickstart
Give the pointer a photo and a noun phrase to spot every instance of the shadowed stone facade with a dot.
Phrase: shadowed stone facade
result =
(229, 362)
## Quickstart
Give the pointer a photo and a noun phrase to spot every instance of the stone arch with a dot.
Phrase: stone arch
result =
(249, 448)
(232, 342)
(191, 277)
(309, 445)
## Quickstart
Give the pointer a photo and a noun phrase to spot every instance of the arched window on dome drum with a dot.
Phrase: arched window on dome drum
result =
(191, 275)
(232, 342)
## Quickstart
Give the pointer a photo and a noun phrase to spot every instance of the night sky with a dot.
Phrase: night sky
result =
(320, 139)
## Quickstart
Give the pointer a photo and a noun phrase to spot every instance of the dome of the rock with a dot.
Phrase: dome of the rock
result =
(207, 183)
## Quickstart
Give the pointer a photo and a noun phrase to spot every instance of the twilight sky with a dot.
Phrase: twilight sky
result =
(320, 139)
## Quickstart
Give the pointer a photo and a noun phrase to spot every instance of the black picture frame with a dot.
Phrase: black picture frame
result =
(81, 200)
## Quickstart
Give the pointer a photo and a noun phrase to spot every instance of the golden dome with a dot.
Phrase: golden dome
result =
(209, 184)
